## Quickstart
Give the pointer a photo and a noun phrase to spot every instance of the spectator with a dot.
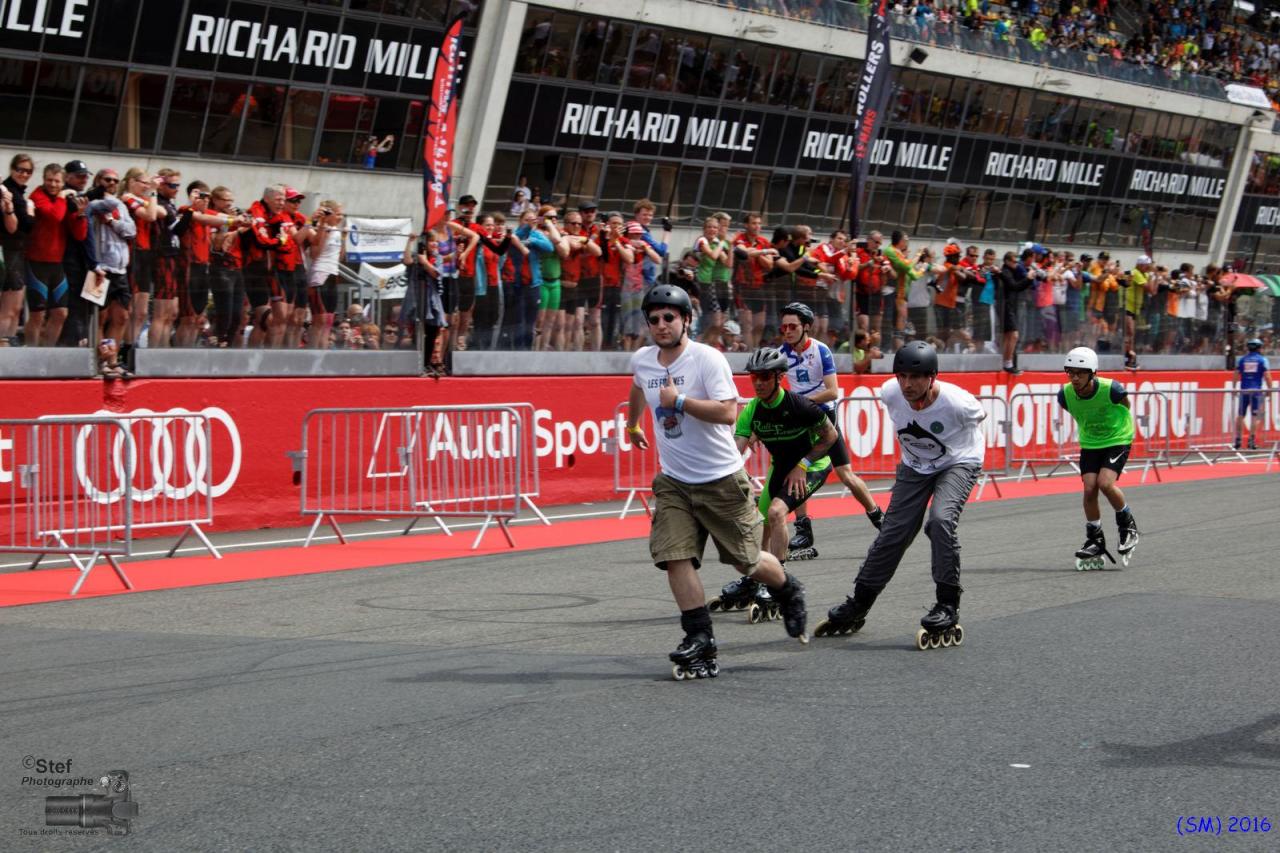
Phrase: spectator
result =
(47, 288)
(110, 229)
(327, 248)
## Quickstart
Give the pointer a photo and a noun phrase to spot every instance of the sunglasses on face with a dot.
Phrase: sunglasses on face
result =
(173, 186)
(655, 319)
(788, 327)
(111, 180)
(22, 171)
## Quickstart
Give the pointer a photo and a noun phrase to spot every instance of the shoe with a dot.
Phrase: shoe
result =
(1012, 371)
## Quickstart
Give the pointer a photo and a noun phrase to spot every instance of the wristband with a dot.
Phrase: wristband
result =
(803, 464)
(680, 403)
(634, 430)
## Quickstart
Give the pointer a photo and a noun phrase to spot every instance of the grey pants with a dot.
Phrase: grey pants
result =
(908, 507)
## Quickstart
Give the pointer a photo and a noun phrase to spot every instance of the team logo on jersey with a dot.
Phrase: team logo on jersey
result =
(935, 427)
(920, 443)
(802, 375)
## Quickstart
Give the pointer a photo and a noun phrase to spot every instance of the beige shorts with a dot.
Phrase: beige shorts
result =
(684, 514)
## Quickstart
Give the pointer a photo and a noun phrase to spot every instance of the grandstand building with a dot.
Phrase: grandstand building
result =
(699, 106)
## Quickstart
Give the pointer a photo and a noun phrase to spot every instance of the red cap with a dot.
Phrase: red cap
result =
(290, 193)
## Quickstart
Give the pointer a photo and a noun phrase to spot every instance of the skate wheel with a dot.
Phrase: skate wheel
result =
(713, 605)
(922, 639)
(1125, 558)
(820, 630)
(713, 669)
(957, 635)
(935, 642)
(946, 640)
(678, 673)
(753, 614)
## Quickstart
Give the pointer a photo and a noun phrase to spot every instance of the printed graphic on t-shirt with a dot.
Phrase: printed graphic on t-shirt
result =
(921, 443)
(670, 420)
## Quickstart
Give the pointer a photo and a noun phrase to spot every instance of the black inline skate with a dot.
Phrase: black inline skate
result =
(876, 517)
(790, 600)
(849, 617)
(1089, 556)
(737, 595)
(764, 608)
(941, 627)
(1128, 536)
(801, 545)
(695, 657)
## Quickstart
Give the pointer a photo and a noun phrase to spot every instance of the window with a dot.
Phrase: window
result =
(717, 69)
(613, 55)
(933, 220)
(561, 36)
(503, 174)
(687, 181)
(784, 71)
(140, 107)
(805, 81)
(644, 58)
(262, 122)
(347, 120)
(229, 101)
(99, 103)
(993, 109)
(533, 41)
(583, 180)
(593, 35)
(188, 104)
(17, 77)
(298, 134)
(408, 146)
(953, 108)
(1049, 116)
(55, 100)
(884, 206)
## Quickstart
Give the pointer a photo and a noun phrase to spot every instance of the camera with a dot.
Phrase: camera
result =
(111, 811)
(666, 223)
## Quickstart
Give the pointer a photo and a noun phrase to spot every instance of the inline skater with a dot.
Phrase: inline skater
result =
(701, 489)
(938, 426)
(797, 434)
(1101, 411)
(1251, 370)
(811, 372)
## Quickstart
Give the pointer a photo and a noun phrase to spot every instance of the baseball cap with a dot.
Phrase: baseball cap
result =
(290, 193)
(635, 229)
(1143, 259)
(467, 199)
(77, 167)
(732, 327)
(585, 205)
(1085, 258)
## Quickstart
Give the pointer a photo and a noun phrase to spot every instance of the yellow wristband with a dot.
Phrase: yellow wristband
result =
(803, 464)
(634, 430)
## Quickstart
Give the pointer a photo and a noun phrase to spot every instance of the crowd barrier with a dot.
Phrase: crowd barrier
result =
(413, 462)
(1203, 424)
(69, 492)
(171, 472)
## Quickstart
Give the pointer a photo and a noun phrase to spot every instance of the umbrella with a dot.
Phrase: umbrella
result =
(1240, 280)
(1272, 282)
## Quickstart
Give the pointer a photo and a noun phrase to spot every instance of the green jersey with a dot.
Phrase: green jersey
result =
(1103, 420)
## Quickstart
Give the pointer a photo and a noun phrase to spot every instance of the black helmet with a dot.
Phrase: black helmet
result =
(1254, 344)
(804, 312)
(767, 360)
(916, 357)
(670, 296)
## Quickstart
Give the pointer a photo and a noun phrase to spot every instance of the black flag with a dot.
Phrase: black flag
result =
(868, 117)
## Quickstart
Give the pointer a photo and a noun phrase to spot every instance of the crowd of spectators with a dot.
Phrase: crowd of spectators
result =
(1171, 40)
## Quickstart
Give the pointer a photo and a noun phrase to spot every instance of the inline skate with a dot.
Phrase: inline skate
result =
(1090, 554)
(695, 657)
(848, 617)
(801, 545)
(790, 601)
(940, 629)
(736, 595)
(1128, 536)
(764, 608)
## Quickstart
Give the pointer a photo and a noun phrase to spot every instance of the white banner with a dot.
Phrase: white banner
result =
(377, 239)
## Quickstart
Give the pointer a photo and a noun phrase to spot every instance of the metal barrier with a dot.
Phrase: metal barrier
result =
(862, 418)
(1203, 423)
(166, 447)
(415, 462)
(55, 502)
(1041, 432)
(633, 468)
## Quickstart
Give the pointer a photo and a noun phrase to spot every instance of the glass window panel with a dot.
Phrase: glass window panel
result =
(140, 107)
(409, 145)
(155, 42)
(347, 122)
(534, 40)
(262, 121)
(838, 206)
(691, 58)
(16, 83)
(884, 207)
(776, 199)
(1049, 113)
(716, 69)
(687, 182)
(388, 125)
(1141, 138)
(805, 80)
(613, 56)
(593, 35)
(228, 102)
(939, 100)
(713, 190)
(503, 174)
(1019, 113)
(564, 30)
(298, 135)
(965, 212)
(188, 103)
(644, 58)
(737, 85)
(99, 103)
(929, 222)
(55, 99)
(953, 106)
(583, 182)
(113, 24)
(761, 78)
(839, 80)
(613, 189)
(902, 99)
(784, 70)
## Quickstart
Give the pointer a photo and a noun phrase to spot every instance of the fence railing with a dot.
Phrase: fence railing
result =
(414, 462)
(69, 492)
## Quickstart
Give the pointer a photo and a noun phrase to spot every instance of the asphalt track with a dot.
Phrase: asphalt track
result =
(524, 702)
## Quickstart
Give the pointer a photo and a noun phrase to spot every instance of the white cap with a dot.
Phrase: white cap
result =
(732, 327)
(1082, 358)
(1143, 259)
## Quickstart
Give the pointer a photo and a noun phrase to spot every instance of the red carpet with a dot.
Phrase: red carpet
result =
(23, 587)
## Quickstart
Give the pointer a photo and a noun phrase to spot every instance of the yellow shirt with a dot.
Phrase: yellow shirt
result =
(1137, 293)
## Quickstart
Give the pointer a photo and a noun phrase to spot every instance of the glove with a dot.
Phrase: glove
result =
(666, 223)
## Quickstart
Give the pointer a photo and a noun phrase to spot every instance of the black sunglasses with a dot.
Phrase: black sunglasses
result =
(655, 319)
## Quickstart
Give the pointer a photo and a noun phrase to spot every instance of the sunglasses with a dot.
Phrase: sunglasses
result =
(22, 171)
(173, 186)
(111, 180)
(655, 319)
(787, 327)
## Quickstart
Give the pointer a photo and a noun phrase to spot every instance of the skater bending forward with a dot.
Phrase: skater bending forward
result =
(797, 434)
(701, 489)
(939, 431)
(1101, 411)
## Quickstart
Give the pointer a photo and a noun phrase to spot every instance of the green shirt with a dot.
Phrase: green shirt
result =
(550, 268)
(1102, 421)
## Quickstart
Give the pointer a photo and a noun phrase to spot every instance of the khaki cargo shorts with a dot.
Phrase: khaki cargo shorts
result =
(684, 514)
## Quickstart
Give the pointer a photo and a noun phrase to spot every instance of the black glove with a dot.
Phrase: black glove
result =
(666, 223)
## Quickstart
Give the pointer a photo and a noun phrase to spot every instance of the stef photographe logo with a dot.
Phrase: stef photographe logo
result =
(107, 806)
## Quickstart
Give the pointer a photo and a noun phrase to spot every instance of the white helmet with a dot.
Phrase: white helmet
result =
(1082, 358)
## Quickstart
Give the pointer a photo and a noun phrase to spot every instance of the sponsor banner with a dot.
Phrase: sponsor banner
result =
(868, 115)
(256, 421)
(376, 240)
(442, 127)
(1259, 214)
(570, 118)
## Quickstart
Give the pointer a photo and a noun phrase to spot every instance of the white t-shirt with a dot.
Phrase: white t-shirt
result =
(944, 434)
(806, 370)
(326, 264)
(689, 450)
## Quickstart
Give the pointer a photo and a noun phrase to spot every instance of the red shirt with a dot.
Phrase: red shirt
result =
(467, 266)
(48, 240)
(142, 240)
(260, 246)
(870, 276)
(949, 286)
(610, 262)
(750, 274)
(195, 240)
(289, 256)
(590, 264)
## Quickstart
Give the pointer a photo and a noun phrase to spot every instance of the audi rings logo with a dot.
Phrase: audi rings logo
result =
(176, 447)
